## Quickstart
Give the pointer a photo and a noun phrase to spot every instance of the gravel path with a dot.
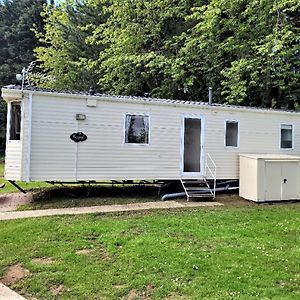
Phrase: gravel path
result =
(103, 209)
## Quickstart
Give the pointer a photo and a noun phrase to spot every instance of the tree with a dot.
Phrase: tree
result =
(247, 50)
(66, 55)
(17, 41)
(142, 40)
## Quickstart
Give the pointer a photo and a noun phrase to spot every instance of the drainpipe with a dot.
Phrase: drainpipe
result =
(210, 95)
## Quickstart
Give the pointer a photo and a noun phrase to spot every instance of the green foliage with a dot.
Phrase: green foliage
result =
(66, 55)
(17, 41)
(17, 18)
(142, 39)
(248, 51)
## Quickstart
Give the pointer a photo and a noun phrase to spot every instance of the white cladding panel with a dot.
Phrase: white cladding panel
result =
(105, 156)
(13, 160)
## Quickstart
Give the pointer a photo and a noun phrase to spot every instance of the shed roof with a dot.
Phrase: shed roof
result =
(271, 156)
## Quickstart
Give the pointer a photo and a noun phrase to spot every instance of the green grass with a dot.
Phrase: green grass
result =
(237, 253)
(9, 188)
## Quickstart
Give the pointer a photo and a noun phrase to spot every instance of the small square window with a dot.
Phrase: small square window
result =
(15, 121)
(286, 139)
(232, 133)
(136, 129)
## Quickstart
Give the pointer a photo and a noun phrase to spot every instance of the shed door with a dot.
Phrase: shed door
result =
(289, 180)
(281, 180)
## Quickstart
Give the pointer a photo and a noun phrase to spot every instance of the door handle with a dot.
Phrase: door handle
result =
(284, 180)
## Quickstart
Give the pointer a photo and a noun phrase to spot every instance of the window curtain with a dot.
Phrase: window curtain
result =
(127, 126)
(146, 127)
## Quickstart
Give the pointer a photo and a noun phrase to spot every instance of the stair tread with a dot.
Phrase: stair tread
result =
(199, 191)
(207, 196)
(200, 195)
(204, 188)
(193, 181)
(196, 187)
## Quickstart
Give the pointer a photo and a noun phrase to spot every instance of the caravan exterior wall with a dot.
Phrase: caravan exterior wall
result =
(45, 151)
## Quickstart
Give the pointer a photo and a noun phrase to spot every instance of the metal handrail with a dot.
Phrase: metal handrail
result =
(213, 173)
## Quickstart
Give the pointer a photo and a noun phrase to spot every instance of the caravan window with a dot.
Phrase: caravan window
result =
(15, 121)
(286, 139)
(136, 129)
(232, 134)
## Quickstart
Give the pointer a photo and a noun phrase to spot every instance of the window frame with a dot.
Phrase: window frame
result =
(124, 129)
(9, 119)
(293, 137)
(238, 133)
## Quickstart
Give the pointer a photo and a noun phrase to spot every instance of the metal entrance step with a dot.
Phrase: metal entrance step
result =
(197, 188)
(200, 187)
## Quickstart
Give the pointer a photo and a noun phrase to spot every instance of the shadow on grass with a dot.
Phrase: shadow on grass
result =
(79, 196)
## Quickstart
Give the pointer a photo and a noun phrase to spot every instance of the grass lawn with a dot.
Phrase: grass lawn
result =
(9, 188)
(236, 253)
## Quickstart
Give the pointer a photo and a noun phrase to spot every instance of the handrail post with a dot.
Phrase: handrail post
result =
(213, 173)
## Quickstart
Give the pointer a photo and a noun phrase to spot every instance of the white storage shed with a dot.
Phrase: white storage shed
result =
(267, 177)
(59, 136)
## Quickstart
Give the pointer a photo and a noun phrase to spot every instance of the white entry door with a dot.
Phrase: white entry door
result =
(192, 147)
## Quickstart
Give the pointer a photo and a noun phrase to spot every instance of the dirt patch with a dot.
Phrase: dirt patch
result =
(118, 192)
(9, 202)
(101, 252)
(56, 289)
(141, 295)
(14, 274)
(233, 200)
(85, 252)
(133, 295)
(104, 254)
(150, 289)
(43, 260)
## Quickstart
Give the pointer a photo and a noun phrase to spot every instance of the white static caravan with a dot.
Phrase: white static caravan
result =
(56, 136)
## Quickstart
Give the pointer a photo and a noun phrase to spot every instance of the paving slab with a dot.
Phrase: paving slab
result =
(103, 209)
(8, 294)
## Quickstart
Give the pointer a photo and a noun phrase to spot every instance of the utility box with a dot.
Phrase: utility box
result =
(269, 177)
